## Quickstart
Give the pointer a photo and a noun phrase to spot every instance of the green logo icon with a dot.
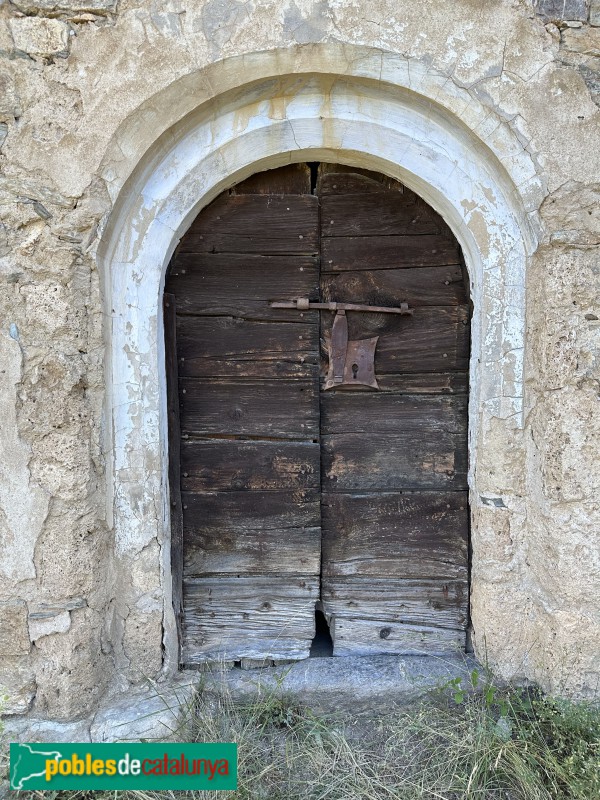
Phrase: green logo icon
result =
(151, 765)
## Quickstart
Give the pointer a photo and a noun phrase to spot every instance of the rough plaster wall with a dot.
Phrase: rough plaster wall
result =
(72, 73)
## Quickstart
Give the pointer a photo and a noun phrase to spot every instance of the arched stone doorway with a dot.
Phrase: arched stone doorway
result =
(311, 485)
(364, 109)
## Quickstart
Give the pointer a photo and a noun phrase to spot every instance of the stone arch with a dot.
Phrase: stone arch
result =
(364, 108)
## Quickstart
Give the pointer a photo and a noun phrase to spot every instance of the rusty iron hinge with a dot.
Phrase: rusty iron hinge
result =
(351, 363)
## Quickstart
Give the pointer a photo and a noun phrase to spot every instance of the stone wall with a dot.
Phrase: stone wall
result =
(89, 92)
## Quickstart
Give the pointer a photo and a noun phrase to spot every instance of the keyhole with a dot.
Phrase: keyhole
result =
(354, 370)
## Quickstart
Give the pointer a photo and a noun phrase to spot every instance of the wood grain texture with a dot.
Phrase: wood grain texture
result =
(278, 408)
(231, 617)
(348, 253)
(253, 223)
(233, 347)
(426, 286)
(379, 215)
(174, 440)
(241, 285)
(422, 459)
(361, 637)
(433, 602)
(235, 465)
(291, 179)
(414, 535)
(379, 412)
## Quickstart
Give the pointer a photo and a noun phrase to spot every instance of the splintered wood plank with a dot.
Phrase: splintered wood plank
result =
(426, 286)
(238, 285)
(432, 602)
(376, 215)
(252, 533)
(428, 458)
(222, 512)
(417, 535)
(232, 347)
(380, 412)
(363, 637)
(291, 179)
(253, 552)
(252, 223)
(230, 617)
(346, 253)
(434, 339)
(224, 464)
(278, 408)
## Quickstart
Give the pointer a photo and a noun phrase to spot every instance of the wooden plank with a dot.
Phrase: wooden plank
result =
(424, 383)
(279, 408)
(235, 465)
(376, 215)
(232, 347)
(223, 514)
(174, 476)
(434, 339)
(242, 285)
(249, 549)
(360, 637)
(425, 286)
(291, 179)
(432, 602)
(231, 617)
(380, 412)
(267, 224)
(413, 459)
(409, 535)
(345, 253)
(332, 178)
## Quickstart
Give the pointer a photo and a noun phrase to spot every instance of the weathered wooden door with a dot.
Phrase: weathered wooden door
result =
(294, 494)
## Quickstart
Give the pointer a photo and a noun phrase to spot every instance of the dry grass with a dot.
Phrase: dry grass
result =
(491, 745)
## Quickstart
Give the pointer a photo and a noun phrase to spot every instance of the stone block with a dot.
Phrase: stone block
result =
(595, 13)
(563, 9)
(40, 37)
(46, 625)
(66, 7)
(17, 683)
(14, 633)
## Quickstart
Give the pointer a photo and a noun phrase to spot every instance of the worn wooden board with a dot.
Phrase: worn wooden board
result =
(291, 179)
(434, 339)
(381, 412)
(241, 285)
(174, 441)
(412, 534)
(253, 223)
(433, 602)
(357, 182)
(233, 347)
(347, 253)
(231, 617)
(418, 459)
(380, 215)
(278, 408)
(422, 383)
(235, 465)
(425, 286)
(251, 533)
(361, 637)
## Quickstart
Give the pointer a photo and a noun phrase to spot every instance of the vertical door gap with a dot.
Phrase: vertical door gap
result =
(322, 644)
